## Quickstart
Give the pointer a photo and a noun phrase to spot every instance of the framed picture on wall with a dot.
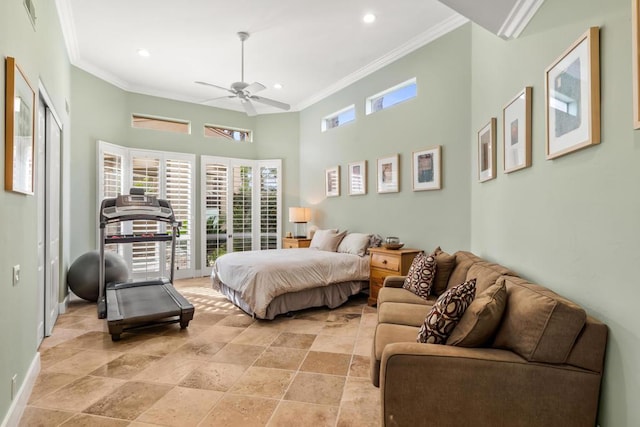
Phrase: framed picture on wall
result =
(358, 178)
(572, 97)
(635, 61)
(516, 132)
(332, 181)
(388, 174)
(427, 169)
(487, 151)
(19, 130)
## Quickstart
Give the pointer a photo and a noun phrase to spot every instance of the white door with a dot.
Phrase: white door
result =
(52, 220)
(40, 190)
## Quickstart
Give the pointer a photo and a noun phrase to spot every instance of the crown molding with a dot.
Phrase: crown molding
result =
(518, 18)
(412, 45)
(65, 14)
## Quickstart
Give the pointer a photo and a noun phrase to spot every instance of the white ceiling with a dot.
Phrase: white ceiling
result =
(313, 48)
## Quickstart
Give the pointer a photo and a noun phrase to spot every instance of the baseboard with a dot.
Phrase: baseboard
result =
(62, 306)
(12, 419)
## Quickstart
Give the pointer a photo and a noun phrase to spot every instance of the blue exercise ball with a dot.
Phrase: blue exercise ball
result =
(83, 275)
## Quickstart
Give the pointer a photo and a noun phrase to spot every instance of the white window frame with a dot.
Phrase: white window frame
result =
(326, 119)
(249, 131)
(370, 99)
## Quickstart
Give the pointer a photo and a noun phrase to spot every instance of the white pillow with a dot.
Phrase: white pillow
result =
(327, 240)
(354, 243)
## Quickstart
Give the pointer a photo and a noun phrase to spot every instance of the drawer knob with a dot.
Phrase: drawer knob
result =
(384, 261)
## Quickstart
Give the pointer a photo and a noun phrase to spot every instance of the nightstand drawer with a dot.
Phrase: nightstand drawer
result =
(388, 262)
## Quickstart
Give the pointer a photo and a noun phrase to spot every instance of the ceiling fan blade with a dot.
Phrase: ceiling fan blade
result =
(215, 86)
(271, 102)
(216, 98)
(248, 107)
(255, 87)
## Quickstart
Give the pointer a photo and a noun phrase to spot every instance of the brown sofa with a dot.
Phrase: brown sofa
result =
(542, 367)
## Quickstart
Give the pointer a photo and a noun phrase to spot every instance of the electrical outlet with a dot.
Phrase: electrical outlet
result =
(16, 275)
(13, 386)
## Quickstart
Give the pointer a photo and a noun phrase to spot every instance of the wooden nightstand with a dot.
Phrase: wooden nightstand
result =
(293, 242)
(387, 262)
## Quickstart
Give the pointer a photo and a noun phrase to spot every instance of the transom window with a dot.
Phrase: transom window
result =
(160, 123)
(392, 96)
(338, 118)
(234, 134)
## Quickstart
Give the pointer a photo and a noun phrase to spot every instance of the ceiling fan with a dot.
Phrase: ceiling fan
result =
(245, 91)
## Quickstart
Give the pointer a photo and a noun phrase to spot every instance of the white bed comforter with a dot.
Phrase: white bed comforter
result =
(260, 276)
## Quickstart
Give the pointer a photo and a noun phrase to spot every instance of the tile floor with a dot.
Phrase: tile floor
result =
(225, 369)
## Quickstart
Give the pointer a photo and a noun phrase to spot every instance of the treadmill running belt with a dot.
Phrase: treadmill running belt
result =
(146, 303)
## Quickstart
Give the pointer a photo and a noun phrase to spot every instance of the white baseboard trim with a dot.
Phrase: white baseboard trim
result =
(62, 306)
(12, 419)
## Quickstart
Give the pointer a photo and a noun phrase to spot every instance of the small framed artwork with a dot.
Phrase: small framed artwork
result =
(635, 65)
(572, 101)
(358, 178)
(19, 130)
(388, 175)
(487, 151)
(332, 181)
(516, 132)
(426, 171)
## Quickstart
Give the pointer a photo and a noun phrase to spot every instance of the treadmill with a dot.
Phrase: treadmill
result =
(129, 305)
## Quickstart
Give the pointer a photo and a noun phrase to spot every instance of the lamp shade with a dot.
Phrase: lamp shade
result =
(301, 215)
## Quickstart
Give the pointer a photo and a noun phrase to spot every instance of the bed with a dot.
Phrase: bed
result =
(271, 282)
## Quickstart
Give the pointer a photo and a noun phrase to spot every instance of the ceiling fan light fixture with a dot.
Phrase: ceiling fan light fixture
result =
(277, 86)
(369, 18)
(144, 53)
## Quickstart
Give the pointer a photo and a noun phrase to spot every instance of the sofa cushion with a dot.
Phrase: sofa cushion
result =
(387, 333)
(403, 313)
(420, 275)
(480, 322)
(538, 324)
(402, 295)
(464, 261)
(445, 264)
(486, 274)
(446, 313)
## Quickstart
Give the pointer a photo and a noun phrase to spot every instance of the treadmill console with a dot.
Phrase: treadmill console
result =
(137, 204)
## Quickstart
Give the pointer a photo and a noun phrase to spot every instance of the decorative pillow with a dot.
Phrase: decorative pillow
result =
(482, 318)
(446, 263)
(354, 243)
(420, 275)
(320, 236)
(446, 313)
(330, 243)
(375, 240)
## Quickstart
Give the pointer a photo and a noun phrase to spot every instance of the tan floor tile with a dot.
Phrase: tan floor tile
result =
(84, 420)
(199, 348)
(84, 362)
(301, 326)
(240, 320)
(291, 340)
(125, 366)
(79, 394)
(214, 376)
(281, 358)
(326, 363)
(244, 411)
(239, 354)
(221, 333)
(360, 393)
(257, 336)
(159, 346)
(263, 382)
(318, 314)
(129, 400)
(360, 366)
(80, 307)
(344, 317)
(33, 416)
(169, 370)
(202, 317)
(363, 345)
(359, 417)
(181, 407)
(333, 344)
(60, 336)
(102, 341)
(51, 356)
(48, 382)
(348, 329)
(303, 414)
(316, 388)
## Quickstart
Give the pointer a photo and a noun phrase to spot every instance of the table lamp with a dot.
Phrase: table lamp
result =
(299, 216)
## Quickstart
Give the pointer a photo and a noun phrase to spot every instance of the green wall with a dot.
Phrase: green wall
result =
(439, 115)
(570, 223)
(42, 56)
(103, 112)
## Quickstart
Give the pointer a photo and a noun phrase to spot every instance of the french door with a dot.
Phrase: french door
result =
(241, 205)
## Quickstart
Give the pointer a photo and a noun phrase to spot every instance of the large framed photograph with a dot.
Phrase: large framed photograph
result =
(516, 132)
(332, 181)
(635, 62)
(572, 89)
(19, 130)
(487, 151)
(427, 169)
(358, 178)
(388, 174)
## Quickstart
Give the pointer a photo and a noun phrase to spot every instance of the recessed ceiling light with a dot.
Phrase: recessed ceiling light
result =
(369, 18)
(277, 86)
(144, 53)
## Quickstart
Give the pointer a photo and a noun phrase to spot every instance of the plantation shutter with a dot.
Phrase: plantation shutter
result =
(242, 208)
(178, 176)
(269, 207)
(215, 195)
(145, 255)
(112, 172)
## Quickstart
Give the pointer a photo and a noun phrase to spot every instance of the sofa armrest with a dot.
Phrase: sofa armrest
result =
(393, 281)
(481, 387)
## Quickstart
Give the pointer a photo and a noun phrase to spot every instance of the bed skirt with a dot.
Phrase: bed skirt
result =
(331, 296)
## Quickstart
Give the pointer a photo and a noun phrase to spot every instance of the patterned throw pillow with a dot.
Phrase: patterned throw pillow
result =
(446, 313)
(420, 276)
